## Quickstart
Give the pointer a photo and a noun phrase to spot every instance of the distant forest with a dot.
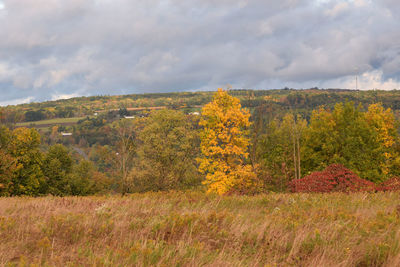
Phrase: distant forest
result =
(303, 101)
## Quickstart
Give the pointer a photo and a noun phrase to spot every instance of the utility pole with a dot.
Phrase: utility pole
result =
(356, 70)
(356, 82)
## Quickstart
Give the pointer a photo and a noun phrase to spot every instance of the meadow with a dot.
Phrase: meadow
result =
(196, 229)
(50, 122)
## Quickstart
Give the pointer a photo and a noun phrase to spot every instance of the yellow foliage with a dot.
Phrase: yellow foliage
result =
(224, 144)
(384, 123)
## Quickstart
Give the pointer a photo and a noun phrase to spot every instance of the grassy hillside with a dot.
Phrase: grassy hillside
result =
(192, 229)
(48, 123)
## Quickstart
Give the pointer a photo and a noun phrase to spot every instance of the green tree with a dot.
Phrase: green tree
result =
(280, 151)
(352, 138)
(7, 168)
(57, 165)
(166, 153)
(224, 145)
(5, 136)
(125, 133)
(85, 180)
(24, 147)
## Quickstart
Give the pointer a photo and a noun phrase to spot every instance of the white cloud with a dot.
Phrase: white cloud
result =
(57, 48)
(17, 101)
(372, 80)
(337, 9)
(64, 96)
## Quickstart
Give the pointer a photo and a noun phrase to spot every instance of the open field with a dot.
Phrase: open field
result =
(191, 229)
(47, 123)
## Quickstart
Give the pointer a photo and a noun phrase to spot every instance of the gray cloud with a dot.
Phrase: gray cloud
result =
(56, 48)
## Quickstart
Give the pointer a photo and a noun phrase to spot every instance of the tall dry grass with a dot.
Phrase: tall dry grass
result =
(192, 229)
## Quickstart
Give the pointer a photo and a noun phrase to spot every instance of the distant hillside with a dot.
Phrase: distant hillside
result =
(302, 101)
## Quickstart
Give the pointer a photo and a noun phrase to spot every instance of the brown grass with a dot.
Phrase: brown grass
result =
(192, 229)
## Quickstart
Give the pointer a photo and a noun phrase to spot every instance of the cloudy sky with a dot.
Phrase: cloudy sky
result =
(51, 49)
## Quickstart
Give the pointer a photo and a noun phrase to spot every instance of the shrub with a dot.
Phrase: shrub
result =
(393, 184)
(335, 178)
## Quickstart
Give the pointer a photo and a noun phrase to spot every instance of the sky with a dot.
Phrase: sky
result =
(53, 49)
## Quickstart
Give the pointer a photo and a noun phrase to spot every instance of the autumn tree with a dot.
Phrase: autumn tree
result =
(166, 153)
(1, 115)
(362, 141)
(8, 164)
(125, 133)
(385, 125)
(5, 136)
(24, 147)
(7, 168)
(224, 145)
(280, 151)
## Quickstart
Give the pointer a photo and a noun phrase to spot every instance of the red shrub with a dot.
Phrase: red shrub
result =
(393, 184)
(335, 178)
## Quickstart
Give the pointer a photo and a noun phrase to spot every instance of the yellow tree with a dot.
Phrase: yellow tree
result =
(384, 123)
(224, 144)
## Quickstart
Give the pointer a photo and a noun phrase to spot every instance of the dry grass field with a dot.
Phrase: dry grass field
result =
(194, 229)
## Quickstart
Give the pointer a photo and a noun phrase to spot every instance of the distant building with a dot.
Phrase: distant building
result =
(129, 117)
(194, 113)
(66, 134)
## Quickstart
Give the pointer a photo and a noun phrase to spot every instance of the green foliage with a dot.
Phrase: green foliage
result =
(34, 115)
(278, 150)
(25, 170)
(7, 168)
(166, 152)
(4, 136)
(85, 180)
(57, 165)
(345, 136)
(24, 147)
(124, 131)
(362, 136)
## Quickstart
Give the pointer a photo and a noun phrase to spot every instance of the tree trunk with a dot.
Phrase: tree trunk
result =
(294, 149)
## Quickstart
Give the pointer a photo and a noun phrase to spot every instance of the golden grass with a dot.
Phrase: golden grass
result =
(192, 229)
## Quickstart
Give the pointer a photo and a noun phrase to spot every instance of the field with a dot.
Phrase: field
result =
(192, 229)
(48, 123)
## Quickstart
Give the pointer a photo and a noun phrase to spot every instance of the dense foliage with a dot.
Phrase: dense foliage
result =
(167, 146)
(244, 141)
(224, 145)
(26, 170)
(362, 141)
(335, 178)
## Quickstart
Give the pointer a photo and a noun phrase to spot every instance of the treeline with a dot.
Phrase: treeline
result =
(26, 170)
(300, 100)
(228, 149)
